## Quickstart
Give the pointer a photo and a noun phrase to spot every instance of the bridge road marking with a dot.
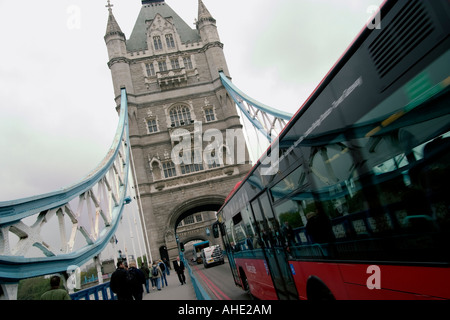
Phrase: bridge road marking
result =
(211, 285)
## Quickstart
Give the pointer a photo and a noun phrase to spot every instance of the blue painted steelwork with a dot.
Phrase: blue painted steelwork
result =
(14, 268)
(93, 292)
(200, 292)
(15, 210)
(239, 97)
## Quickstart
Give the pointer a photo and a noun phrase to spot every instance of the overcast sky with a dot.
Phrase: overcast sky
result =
(57, 116)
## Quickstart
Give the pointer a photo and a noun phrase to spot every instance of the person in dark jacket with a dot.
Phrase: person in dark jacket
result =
(119, 282)
(179, 269)
(146, 271)
(136, 279)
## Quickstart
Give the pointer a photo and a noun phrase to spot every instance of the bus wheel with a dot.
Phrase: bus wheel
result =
(244, 280)
(317, 290)
(245, 284)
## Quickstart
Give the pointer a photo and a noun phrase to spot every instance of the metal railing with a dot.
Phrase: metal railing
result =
(200, 292)
(99, 292)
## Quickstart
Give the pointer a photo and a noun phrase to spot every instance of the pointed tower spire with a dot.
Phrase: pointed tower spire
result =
(203, 13)
(206, 24)
(117, 52)
(207, 28)
(113, 27)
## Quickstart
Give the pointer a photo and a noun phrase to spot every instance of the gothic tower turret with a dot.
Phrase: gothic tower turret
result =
(118, 63)
(206, 26)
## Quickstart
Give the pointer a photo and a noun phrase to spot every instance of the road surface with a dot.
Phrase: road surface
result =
(218, 282)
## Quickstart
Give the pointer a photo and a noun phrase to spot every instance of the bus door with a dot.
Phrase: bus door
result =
(275, 254)
(223, 232)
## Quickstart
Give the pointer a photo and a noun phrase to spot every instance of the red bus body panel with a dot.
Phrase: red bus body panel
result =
(258, 277)
(328, 273)
(397, 282)
(349, 281)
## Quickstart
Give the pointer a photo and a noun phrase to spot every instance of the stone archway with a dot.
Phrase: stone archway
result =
(191, 206)
(195, 205)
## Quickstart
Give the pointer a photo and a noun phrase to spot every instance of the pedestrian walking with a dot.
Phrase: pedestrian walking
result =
(119, 282)
(146, 271)
(156, 273)
(167, 264)
(163, 268)
(178, 266)
(136, 279)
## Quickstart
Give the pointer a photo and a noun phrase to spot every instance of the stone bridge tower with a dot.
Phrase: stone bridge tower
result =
(186, 138)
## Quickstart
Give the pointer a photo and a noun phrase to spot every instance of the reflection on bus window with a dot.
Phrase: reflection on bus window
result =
(241, 231)
(294, 181)
(376, 191)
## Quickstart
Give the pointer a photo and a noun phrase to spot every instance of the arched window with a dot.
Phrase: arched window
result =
(180, 115)
(169, 169)
(157, 43)
(169, 41)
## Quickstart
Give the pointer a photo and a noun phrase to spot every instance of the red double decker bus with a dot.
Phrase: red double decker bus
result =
(357, 204)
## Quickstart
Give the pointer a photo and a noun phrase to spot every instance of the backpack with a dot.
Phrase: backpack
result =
(162, 266)
(155, 271)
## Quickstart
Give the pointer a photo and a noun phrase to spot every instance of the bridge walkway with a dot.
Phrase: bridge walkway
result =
(174, 290)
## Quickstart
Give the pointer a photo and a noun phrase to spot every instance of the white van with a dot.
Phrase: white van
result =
(212, 255)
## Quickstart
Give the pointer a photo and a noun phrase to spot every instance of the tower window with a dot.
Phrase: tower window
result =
(209, 114)
(169, 169)
(189, 220)
(152, 126)
(187, 63)
(162, 66)
(212, 161)
(150, 69)
(175, 64)
(192, 167)
(180, 115)
(170, 42)
(157, 43)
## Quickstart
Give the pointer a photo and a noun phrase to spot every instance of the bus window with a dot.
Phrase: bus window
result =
(380, 182)
(269, 226)
(239, 234)
(243, 230)
(262, 226)
(294, 181)
(247, 220)
(291, 217)
(229, 234)
(337, 186)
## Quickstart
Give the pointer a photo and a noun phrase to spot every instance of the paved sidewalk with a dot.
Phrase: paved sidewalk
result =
(174, 291)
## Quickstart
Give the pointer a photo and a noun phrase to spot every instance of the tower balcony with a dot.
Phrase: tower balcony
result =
(171, 78)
